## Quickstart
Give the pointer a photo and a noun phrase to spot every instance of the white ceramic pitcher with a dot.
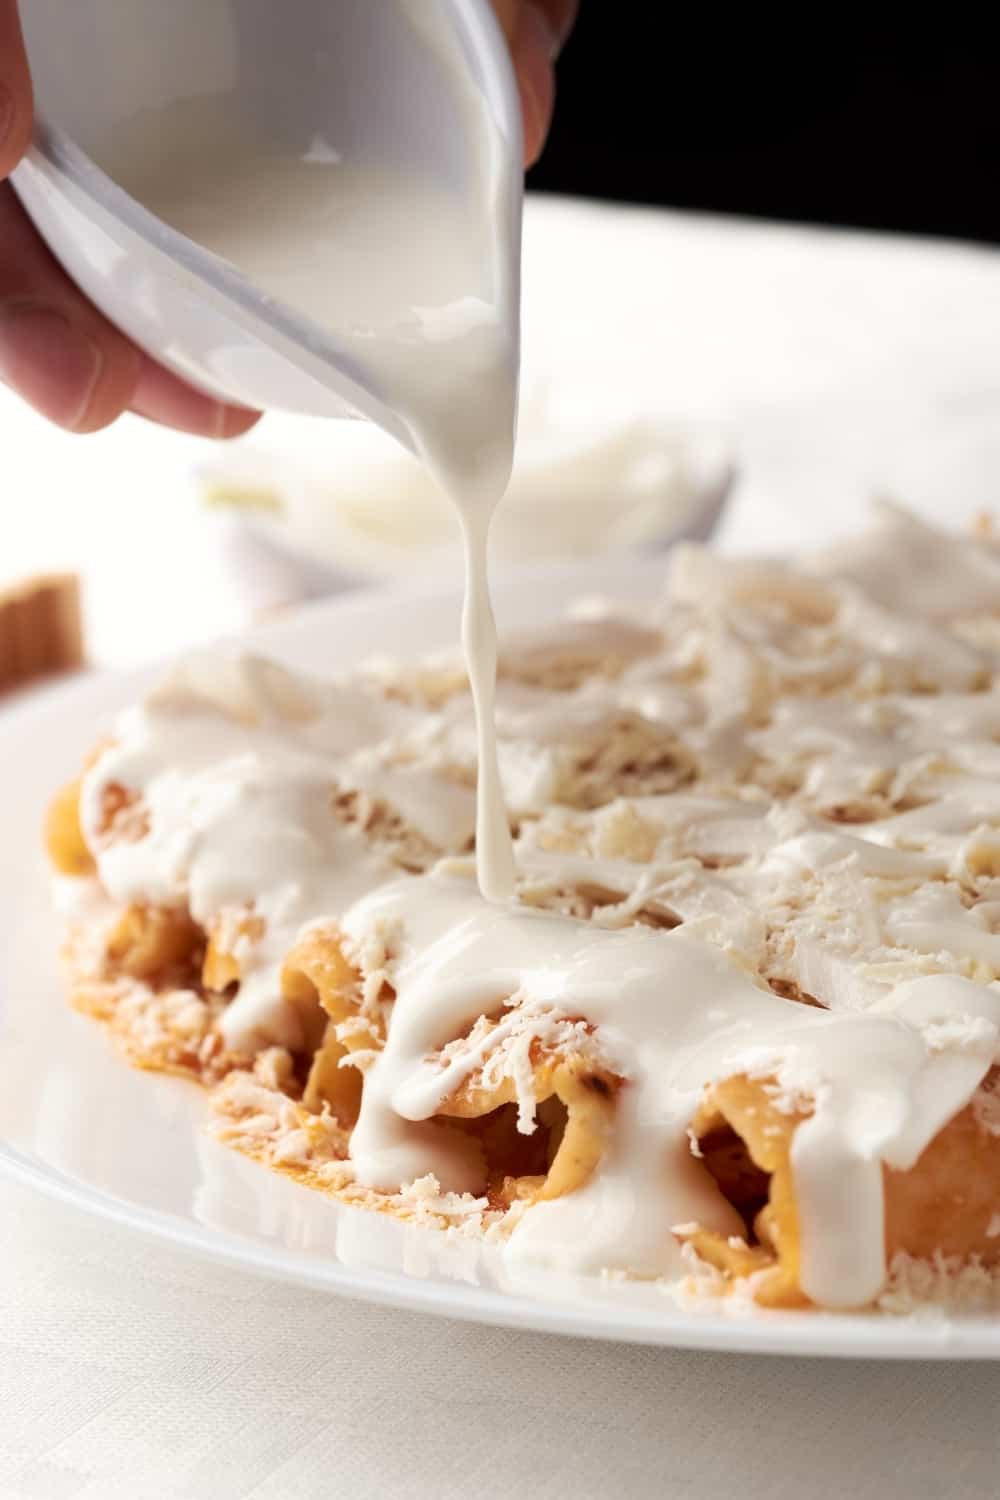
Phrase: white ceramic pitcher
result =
(343, 72)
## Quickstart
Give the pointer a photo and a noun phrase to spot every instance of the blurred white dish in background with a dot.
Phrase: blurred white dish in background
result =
(596, 472)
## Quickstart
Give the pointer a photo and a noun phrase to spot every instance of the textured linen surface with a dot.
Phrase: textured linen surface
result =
(131, 1371)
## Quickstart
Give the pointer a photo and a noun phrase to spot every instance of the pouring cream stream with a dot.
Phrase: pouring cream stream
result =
(416, 278)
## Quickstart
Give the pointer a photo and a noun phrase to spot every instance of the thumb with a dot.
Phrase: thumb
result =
(15, 90)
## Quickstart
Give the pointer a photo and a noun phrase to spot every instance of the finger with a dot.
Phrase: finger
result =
(561, 16)
(506, 14)
(55, 348)
(15, 90)
(164, 398)
(68, 362)
(532, 50)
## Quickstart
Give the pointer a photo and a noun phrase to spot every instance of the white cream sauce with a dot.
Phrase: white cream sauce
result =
(892, 923)
(675, 1014)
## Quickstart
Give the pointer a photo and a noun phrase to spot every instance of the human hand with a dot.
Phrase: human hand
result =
(56, 350)
(63, 356)
(536, 31)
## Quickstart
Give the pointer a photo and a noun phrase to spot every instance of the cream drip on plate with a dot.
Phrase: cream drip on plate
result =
(675, 1014)
(771, 781)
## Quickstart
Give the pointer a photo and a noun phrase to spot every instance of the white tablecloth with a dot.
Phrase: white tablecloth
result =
(127, 1369)
(131, 1372)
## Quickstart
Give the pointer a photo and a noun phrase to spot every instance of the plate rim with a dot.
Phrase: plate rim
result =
(794, 1333)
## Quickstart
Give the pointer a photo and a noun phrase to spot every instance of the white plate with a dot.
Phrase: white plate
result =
(79, 1124)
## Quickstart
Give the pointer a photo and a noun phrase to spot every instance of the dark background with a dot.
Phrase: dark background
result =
(882, 127)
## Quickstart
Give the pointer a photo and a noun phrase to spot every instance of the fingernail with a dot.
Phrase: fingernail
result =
(49, 361)
(534, 125)
(233, 421)
(162, 397)
(547, 38)
(531, 53)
